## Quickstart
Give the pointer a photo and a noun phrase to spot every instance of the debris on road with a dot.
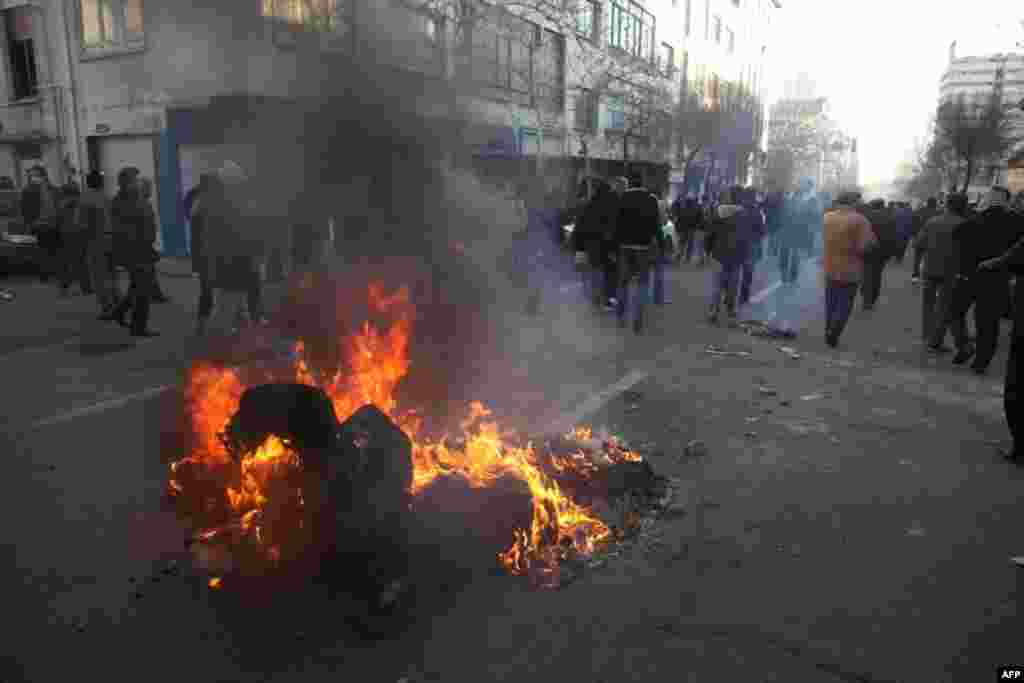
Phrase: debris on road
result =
(791, 352)
(915, 531)
(753, 419)
(805, 428)
(812, 397)
(751, 435)
(756, 328)
(785, 403)
(713, 350)
(696, 449)
(834, 439)
(6, 295)
(767, 391)
(1019, 560)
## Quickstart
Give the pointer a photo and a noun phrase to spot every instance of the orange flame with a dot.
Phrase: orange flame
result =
(376, 361)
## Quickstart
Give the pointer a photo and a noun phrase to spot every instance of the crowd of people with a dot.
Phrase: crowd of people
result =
(86, 239)
(965, 259)
(627, 232)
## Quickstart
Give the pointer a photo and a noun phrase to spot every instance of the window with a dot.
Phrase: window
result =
(632, 30)
(732, 41)
(586, 111)
(112, 23)
(516, 54)
(718, 30)
(587, 19)
(667, 59)
(315, 15)
(22, 54)
(616, 113)
(689, 17)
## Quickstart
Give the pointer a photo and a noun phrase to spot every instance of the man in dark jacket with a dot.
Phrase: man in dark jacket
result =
(134, 232)
(927, 212)
(39, 207)
(874, 262)
(1012, 262)
(941, 263)
(689, 220)
(595, 222)
(637, 231)
(74, 241)
(196, 210)
(95, 218)
(903, 217)
(986, 236)
(756, 229)
(731, 236)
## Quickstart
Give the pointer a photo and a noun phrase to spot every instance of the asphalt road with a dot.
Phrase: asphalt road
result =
(860, 536)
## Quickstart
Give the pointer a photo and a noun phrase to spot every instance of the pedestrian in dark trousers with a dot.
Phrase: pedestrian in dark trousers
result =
(986, 235)
(40, 205)
(74, 242)
(927, 212)
(95, 215)
(134, 233)
(595, 222)
(637, 232)
(847, 238)
(232, 250)
(1011, 262)
(195, 205)
(796, 235)
(146, 189)
(874, 263)
(940, 270)
(903, 218)
(731, 237)
(757, 227)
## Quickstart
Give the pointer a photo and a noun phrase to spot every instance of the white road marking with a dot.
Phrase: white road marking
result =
(563, 423)
(102, 406)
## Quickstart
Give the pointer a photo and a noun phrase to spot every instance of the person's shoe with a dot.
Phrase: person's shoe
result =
(146, 334)
(978, 370)
(963, 355)
(638, 325)
(161, 299)
(915, 280)
(607, 308)
(939, 350)
(831, 340)
(712, 314)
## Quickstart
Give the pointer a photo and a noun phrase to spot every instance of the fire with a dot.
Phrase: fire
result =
(375, 361)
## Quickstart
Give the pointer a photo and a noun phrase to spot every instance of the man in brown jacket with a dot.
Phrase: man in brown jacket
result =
(847, 237)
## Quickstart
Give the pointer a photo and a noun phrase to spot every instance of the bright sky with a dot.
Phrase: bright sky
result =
(879, 62)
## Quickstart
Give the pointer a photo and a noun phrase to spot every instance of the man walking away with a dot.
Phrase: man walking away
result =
(755, 226)
(689, 229)
(637, 230)
(196, 204)
(94, 215)
(795, 233)
(880, 219)
(927, 212)
(231, 251)
(941, 263)
(588, 237)
(74, 241)
(39, 206)
(146, 188)
(847, 238)
(985, 236)
(730, 238)
(134, 233)
(903, 217)
(1012, 262)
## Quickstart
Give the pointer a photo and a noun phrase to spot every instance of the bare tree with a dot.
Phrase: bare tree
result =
(970, 133)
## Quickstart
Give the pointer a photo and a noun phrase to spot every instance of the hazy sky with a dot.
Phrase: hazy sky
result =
(879, 62)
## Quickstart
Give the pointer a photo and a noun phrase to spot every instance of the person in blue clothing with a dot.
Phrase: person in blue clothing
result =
(756, 219)
(731, 237)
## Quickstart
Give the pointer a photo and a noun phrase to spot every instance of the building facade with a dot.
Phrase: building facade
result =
(979, 77)
(177, 88)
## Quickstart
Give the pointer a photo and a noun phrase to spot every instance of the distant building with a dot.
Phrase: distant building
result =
(979, 77)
